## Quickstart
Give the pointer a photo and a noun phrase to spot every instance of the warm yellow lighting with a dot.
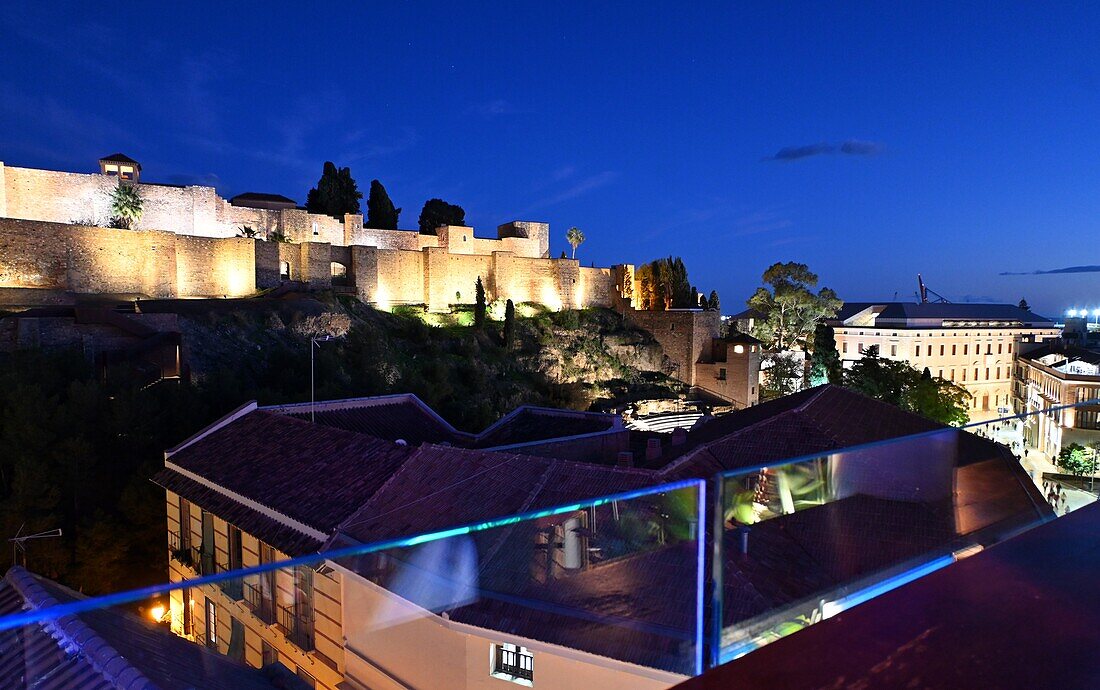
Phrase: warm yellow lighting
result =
(157, 613)
(382, 298)
(551, 298)
(739, 349)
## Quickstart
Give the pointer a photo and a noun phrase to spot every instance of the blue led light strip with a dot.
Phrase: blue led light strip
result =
(74, 607)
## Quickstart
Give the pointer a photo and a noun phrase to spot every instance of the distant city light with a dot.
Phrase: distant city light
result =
(1071, 313)
(1096, 312)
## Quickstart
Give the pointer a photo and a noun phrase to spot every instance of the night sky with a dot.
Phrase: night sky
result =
(869, 143)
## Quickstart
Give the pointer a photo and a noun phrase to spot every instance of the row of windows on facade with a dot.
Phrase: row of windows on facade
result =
(297, 618)
(943, 349)
(236, 645)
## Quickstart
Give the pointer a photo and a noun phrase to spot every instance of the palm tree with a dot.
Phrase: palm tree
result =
(576, 238)
(126, 205)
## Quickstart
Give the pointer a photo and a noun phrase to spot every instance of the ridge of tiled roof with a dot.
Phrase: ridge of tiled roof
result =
(74, 635)
(108, 647)
(819, 419)
(401, 416)
(517, 427)
(120, 158)
(272, 452)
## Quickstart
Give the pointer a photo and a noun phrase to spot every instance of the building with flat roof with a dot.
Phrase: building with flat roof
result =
(969, 344)
(1048, 379)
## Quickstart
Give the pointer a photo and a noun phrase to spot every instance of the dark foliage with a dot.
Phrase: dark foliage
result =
(508, 334)
(437, 212)
(335, 194)
(381, 213)
(479, 304)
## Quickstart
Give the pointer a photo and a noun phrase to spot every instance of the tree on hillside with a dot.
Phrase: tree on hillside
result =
(437, 212)
(381, 213)
(126, 205)
(1024, 305)
(335, 194)
(509, 333)
(575, 237)
(900, 384)
(825, 361)
(790, 310)
(664, 285)
(479, 304)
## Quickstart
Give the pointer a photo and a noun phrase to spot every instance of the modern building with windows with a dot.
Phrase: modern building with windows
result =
(1049, 378)
(970, 344)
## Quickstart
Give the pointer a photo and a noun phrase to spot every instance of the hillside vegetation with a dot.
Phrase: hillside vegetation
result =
(77, 449)
(577, 359)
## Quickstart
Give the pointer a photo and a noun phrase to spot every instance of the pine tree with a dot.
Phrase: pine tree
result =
(335, 194)
(1024, 305)
(479, 304)
(694, 297)
(436, 213)
(380, 211)
(509, 324)
(712, 303)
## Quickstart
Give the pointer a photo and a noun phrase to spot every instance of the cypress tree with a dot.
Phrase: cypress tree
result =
(479, 304)
(380, 211)
(509, 324)
(713, 303)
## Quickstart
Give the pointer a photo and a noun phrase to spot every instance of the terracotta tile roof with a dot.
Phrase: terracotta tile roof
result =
(120, 158)
(528, 424)
(290, 541)
(106, 648)
(313, 474)
(819, 419)
(1019, 615)
(641, 608)
(389, 417)
(442, 487)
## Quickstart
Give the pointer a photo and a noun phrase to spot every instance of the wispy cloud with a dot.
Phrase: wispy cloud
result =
(851, 147)
(856, 147)
(495, 108)
(577, 189)
(794, 153)
(759, 222)
(1054, 271)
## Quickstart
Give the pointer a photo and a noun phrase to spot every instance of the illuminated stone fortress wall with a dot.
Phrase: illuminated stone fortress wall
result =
(53, 244)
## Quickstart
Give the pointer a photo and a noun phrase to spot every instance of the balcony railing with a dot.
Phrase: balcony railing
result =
(297, 624)
(263, 607)
(180, 553)
(514, 662)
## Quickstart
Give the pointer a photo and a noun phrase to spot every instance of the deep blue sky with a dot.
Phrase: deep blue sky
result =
(973, 134)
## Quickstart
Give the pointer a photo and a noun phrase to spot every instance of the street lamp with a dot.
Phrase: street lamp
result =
(314, 342)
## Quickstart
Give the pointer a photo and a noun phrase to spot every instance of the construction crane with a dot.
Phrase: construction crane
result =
(923, 292)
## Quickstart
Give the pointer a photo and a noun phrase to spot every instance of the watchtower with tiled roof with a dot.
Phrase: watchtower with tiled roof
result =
(120, 165)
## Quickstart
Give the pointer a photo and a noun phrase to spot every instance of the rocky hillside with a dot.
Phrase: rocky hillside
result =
(579, 359)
